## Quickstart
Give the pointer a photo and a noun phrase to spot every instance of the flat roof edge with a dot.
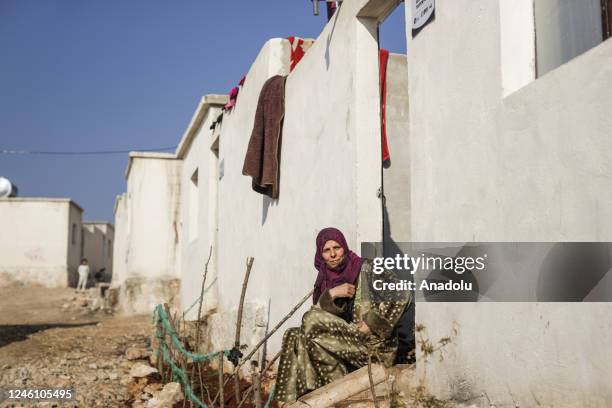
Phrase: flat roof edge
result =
(43, 199)
(146, 155)
(206, 102)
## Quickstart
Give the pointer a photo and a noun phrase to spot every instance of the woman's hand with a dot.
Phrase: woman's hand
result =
(362, 327)
(346, 290)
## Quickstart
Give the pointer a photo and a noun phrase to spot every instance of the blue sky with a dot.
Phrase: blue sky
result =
(82, 75)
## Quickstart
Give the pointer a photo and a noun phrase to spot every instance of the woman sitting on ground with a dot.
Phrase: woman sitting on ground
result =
(348, 325)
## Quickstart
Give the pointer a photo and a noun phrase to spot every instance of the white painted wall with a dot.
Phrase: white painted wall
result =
(153, 224)
(35, 243)
(120, 241)
(535, 165)
(109, 232)
(237, 203)
(396, 174)
(330, 173)
(198, 206)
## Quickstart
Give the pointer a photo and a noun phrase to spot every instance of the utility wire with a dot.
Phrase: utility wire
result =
(82, 153)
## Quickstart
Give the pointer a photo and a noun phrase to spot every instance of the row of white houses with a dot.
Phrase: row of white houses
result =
(498, 122)
(44, 239)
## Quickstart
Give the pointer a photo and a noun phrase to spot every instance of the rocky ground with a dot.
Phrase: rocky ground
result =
(55, 338)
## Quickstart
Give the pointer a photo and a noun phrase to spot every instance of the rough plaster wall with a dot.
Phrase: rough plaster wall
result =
(191, 241)
(330, 171)
(212, 218)
(241, 211)
(195, 252)
(154, 194)
(140, 294)
(119, 244)
(396, 176)
(532, 166)
(33, 243)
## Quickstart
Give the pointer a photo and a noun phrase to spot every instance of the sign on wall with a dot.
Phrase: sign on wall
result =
(422, 10)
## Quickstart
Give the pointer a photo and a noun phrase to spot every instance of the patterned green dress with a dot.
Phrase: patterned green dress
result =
(326, 347)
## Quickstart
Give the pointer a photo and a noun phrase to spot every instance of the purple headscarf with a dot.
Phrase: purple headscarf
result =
(346, 272)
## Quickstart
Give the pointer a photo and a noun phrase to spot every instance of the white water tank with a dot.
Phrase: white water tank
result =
(7, 189)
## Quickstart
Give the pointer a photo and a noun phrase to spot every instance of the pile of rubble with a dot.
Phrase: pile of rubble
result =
(91, 301)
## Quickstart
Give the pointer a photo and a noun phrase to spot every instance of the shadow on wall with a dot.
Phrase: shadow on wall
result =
(73, 277)
(405, 325)
(265, 206)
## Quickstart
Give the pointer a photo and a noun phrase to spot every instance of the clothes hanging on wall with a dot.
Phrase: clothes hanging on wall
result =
(297, 51)
(262, 159)
(384, 59)
(233, 98)
(217, 122)
(233, 95)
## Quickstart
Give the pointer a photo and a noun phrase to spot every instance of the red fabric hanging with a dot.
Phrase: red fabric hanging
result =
(233, 95)
(297, 51)
(233, 98)
(384, 58)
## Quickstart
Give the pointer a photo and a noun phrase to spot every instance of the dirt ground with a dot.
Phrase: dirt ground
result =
(50, 339)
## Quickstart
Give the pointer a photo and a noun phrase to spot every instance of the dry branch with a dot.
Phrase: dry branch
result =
(245, 282)
(197, 345)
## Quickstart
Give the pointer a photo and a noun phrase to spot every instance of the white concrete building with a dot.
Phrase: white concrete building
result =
(148, 217)
(41, 241)
(120, 242)
(198, 150)
(510, 141)
(98, 238)
(332, 110)
(498, 123)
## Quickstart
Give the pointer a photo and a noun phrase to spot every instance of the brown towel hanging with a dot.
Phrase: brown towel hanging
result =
(262, 159)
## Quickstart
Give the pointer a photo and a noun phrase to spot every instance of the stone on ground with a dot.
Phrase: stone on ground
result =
(136, 353)
(142, 370)
(169, 395)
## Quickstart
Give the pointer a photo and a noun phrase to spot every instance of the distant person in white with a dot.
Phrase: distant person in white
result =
(83, 275)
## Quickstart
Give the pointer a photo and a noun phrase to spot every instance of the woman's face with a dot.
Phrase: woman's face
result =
(332, 253)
